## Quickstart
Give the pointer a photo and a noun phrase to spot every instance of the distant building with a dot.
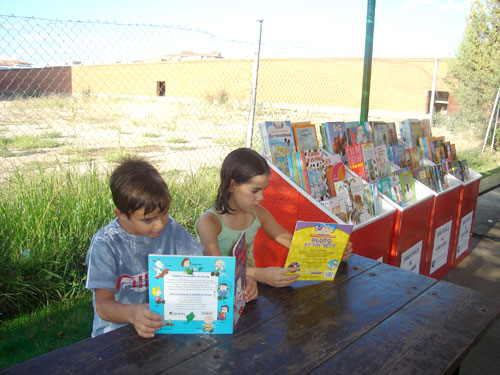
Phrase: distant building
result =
(9, 64)
(184, 56)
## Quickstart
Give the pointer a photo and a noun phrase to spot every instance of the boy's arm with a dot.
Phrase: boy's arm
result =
(208, 229)
(273, 228)
(145, 322)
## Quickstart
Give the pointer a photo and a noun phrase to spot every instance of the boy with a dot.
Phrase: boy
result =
(117, 258)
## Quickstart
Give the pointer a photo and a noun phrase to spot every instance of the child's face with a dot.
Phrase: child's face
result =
(248, 195)
(138, 224)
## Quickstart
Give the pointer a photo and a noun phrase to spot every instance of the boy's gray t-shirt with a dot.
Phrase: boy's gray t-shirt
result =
(118, 260)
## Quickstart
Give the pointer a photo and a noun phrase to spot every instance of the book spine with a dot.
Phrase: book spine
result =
(305, 177)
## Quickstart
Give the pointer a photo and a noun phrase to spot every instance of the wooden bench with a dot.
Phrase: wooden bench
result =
(373, 319)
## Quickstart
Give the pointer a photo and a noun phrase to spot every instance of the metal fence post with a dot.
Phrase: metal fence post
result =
(253, 92)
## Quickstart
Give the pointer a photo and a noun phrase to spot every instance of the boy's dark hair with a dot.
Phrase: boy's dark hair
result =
(135, 184)
(240, 165)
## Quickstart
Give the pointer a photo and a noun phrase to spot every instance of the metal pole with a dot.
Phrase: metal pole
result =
(253, 92)
(433, 95)
(494, 129)
(367, 68)
(491, 120)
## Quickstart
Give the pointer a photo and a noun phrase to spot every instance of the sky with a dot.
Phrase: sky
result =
(290, 28)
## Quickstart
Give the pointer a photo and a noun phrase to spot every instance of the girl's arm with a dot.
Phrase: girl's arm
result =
(209, 227)
(273, 228)
(274, 276)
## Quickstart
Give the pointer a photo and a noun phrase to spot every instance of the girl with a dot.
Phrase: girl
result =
(244, 176)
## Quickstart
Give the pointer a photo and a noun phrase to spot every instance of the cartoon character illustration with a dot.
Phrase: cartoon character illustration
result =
(223, 311)
(158, 267)
(156, 291)
(186, 263)
(332, 264)
(223, 291)
(208, 325)
(294, 264)
(218, 267)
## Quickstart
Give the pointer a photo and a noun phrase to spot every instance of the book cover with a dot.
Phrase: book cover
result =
(397, 192)
(358, 134)
(361, 207)
(343, 191)
(337, 206)
(417, 132)
(407, 185)
(305, 136)
(334, 173)
(370, 162)
(392, 134)
(316, 174)
(304, 178)
(398, 155)
(278, 139)
(337, 139)
(380, 133)
(197, 294)
(292, 168)
(355, 161)
(385, 187)
(383, 165)
(317, 249)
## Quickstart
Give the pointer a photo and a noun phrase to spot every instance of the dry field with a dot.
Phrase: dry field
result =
(179, 135)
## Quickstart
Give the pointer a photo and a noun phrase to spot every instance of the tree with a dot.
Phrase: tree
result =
(476, 70)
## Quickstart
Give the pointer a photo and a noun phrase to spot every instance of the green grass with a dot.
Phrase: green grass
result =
(29, 142)
(47, 329)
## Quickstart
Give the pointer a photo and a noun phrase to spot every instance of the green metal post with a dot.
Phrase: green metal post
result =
(367, 67)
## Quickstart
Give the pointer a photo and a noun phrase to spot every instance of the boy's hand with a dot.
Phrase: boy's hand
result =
(277, 276)
(146, 322)
(251, 291)
(347, 251)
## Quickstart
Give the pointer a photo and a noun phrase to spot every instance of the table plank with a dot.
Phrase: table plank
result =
(431, 335)
(315, 329)
(123, 352)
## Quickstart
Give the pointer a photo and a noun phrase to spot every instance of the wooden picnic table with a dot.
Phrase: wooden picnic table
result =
(373, 319)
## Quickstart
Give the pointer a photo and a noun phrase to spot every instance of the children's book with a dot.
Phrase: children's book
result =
(317, 175)
(305, 136)
(370, 162)
(383, 165)
(198, 294)
(317, 249)
(407, 185)
(334, 173)
(337, 138)
(355, 160)
(385, 187)
(278, 140)
(392, 134)
(380, 133)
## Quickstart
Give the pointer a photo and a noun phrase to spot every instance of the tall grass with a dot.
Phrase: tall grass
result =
(47, 219)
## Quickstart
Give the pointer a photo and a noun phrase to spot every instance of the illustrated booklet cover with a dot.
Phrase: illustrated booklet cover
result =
(317, 249)
(198, 294)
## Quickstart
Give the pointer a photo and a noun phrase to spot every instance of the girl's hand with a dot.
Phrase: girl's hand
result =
(348, 251)
(251, 291)
(277, 276)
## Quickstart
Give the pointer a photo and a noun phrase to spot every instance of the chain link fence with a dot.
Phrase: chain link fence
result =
(76, 91)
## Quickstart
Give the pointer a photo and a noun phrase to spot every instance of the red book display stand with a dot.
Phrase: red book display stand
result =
(410, 230)
(289, 203)
(442, 222)
(461, 244)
